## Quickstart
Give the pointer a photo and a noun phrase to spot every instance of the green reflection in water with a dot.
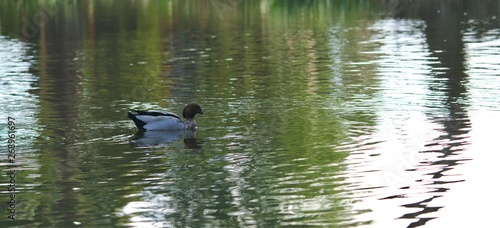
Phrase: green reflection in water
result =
(272, 119)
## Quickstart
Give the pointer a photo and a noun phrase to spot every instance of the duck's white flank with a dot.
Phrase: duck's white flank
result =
(161, 122)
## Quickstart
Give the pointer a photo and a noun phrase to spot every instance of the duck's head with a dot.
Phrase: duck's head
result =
(191, 110)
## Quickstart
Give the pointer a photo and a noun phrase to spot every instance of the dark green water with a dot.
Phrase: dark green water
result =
(318, 113)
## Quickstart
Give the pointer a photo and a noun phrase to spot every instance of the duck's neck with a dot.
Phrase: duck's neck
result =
(189, 124)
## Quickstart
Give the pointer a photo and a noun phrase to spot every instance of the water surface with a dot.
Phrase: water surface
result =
(323, 113)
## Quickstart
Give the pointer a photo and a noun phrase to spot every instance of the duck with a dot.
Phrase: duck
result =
(165, 121)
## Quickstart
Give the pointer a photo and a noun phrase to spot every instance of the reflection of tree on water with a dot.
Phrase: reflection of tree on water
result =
(445, 41)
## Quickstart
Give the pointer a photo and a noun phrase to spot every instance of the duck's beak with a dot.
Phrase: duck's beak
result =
(201, 112)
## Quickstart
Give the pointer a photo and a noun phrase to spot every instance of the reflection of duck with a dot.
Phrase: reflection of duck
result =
(190, 140)
(154, 138)
(165, 121)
